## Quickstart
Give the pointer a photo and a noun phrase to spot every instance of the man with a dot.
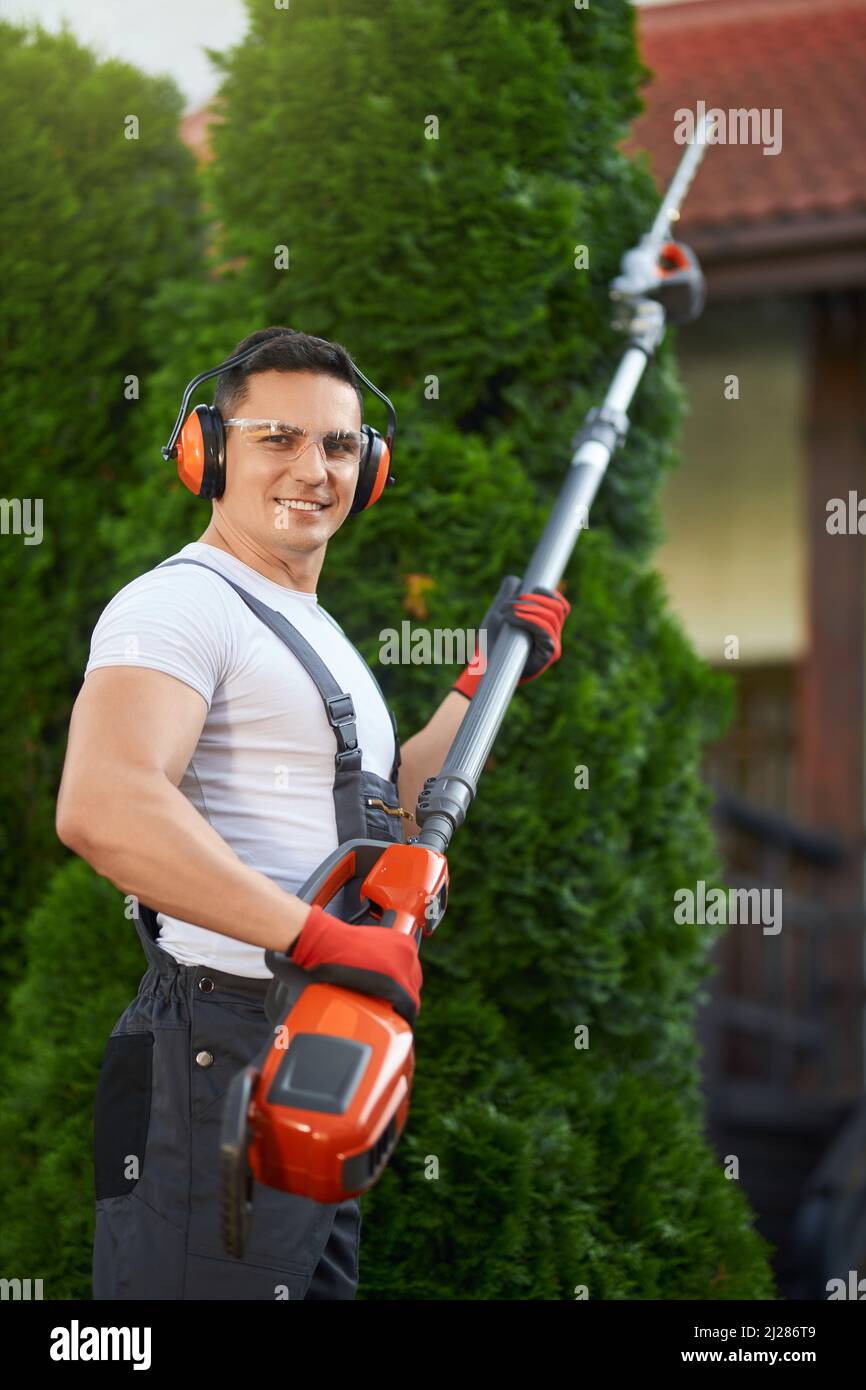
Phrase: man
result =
(201, 777)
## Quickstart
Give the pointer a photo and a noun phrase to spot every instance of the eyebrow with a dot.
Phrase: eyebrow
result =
(334, 429)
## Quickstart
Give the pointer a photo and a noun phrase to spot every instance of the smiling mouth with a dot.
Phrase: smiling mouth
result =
(296, 505)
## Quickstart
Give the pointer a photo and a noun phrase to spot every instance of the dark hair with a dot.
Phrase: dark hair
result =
(298, 352)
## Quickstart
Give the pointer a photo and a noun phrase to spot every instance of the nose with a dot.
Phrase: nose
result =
(312, 464)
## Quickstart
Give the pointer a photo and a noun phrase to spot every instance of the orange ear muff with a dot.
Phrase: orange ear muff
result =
(382, 466)
(374, 472)
(201, 453)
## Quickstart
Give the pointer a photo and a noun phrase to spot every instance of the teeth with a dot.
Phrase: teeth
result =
(301, 506)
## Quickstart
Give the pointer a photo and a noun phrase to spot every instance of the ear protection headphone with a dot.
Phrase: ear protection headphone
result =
(198, 442)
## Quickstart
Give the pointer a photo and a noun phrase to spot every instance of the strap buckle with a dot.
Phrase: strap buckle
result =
(341, 717)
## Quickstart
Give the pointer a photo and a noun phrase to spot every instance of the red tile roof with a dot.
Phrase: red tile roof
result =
(806, 57)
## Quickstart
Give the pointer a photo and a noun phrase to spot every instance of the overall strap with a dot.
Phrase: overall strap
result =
(380, 690)
(339, 706)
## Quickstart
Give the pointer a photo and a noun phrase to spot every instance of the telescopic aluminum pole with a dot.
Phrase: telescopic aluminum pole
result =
(445, 799)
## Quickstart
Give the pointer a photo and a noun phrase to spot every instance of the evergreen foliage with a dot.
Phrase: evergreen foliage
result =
(90, 222)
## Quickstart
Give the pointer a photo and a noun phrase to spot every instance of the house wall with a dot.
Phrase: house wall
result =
(735, 557)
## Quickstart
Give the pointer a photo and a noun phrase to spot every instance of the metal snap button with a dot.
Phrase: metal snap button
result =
(204, 1059)
(206, 985)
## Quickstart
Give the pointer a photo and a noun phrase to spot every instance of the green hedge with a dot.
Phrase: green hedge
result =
(90, 223)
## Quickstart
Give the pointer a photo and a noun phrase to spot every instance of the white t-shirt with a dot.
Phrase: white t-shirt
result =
(262, 772)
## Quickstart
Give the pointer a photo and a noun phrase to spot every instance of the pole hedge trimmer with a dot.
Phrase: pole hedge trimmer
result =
(320, 1111)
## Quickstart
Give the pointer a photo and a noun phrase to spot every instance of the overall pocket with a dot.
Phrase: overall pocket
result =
(287, 1232)
(121, 1115)
(227, 1032)
(380, 802)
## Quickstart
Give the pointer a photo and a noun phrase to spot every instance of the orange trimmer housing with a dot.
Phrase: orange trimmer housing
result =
(322, 1108)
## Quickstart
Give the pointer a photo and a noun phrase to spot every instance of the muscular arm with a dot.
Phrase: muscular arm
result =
(131, 736)
(423, 754)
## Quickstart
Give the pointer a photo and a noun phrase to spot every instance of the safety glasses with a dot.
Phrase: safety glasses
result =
(285, 441)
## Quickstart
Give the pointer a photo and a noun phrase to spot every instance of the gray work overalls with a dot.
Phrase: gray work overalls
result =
(165, 1072)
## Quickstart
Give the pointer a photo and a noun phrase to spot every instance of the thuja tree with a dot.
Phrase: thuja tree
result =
(412, 179)
(99, 205)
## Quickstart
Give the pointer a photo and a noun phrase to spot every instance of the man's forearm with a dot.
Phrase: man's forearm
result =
(422, 755)
(156, 846)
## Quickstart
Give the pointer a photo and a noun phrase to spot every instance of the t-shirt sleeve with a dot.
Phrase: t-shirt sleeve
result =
(173, 620)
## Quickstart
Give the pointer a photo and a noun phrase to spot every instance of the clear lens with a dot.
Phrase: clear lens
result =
(285, 441)
(344, 448)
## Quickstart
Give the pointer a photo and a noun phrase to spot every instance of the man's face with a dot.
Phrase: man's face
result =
(258, 483)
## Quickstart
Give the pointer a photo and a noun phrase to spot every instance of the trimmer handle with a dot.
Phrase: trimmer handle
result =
(406, 890)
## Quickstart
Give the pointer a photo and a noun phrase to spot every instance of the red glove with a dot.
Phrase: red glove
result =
(370, 959)
(540, 611)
